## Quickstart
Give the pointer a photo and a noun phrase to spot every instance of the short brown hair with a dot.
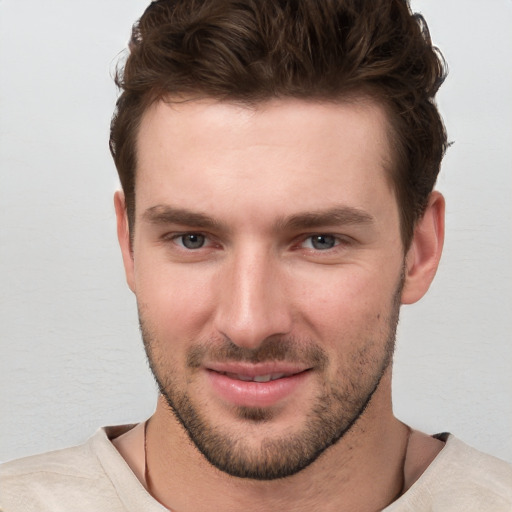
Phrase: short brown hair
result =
(255, 50)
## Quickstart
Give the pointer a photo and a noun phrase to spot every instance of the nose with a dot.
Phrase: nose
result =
(252, 303)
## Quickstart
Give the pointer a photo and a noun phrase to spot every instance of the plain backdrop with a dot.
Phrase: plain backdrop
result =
(71, 357)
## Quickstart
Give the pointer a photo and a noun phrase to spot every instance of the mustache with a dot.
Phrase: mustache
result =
(270, 350)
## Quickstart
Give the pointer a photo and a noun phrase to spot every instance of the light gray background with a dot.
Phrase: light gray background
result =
(71, 359)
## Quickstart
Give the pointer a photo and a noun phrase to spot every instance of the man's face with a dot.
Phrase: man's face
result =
(267, 265)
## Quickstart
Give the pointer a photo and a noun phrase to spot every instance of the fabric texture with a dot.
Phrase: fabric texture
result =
(94, 477)
(459, 479)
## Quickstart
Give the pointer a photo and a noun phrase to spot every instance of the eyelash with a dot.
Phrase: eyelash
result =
(336, 239)
(316, 238)
(176, 237)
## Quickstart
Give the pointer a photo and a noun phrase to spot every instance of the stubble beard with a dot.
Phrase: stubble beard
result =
(336, 409)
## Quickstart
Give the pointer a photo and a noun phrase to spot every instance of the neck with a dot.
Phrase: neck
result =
(181, 479)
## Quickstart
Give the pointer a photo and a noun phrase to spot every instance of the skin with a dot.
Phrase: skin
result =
(259, 281)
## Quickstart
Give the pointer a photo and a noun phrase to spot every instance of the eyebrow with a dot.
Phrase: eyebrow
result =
(337, 216)
(164, 214)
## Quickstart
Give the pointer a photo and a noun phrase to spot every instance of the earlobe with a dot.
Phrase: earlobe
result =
(123, 235)
(423, 256)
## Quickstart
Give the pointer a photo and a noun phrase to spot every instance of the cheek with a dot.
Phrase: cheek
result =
(356, 326)
(177, 302)
(346, 305)
(345, 288)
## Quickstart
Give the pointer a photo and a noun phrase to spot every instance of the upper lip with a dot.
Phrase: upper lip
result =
(254, 370)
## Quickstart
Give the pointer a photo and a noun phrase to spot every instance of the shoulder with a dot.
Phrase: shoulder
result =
(53, 481)
(66, 461)
(477, 471)
(460, 478)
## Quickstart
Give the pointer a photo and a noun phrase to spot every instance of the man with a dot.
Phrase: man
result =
(277, 161)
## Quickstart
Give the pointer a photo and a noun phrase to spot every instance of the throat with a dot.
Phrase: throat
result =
(352, 465)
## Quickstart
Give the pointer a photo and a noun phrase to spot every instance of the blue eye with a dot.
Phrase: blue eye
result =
(192, 240)
(321, 242)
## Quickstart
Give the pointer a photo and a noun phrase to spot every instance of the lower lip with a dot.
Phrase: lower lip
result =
(255, 394)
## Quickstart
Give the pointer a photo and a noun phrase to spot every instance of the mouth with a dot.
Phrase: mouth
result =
(257, 385)
(256, 378)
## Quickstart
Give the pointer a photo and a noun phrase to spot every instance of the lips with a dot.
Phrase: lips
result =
(260, 385)
(257, 378)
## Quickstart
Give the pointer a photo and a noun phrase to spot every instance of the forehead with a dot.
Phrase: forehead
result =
(283, 150)
(297, 119)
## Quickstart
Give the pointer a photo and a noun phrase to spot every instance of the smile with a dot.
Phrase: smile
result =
(257, 378)
(257, 388)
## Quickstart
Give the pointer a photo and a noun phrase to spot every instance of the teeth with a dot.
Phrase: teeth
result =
(245, 378)
(262, 378)
(258, 378)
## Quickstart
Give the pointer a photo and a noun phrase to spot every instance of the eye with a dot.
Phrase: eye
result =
(191, 240)
(320, 242)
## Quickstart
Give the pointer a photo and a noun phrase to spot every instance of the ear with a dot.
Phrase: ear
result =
(123, 235)
(423, 256)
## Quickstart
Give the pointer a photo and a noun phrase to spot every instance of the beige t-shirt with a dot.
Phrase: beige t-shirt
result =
(93, 477)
